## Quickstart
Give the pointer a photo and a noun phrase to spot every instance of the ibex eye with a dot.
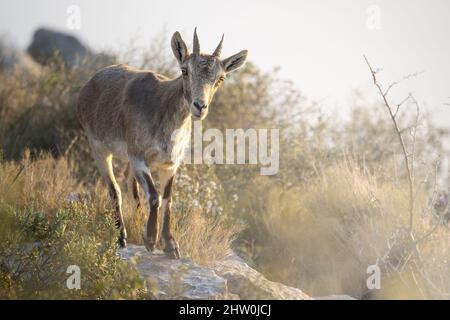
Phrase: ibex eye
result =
(184, 72)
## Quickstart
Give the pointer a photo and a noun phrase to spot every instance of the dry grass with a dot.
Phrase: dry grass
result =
(206, 239)
(42, 184)
(322, 236)
(202, 236)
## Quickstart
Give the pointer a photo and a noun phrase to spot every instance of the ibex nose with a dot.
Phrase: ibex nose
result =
(199, 106)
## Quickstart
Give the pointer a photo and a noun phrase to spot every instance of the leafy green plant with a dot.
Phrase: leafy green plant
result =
(42, 234)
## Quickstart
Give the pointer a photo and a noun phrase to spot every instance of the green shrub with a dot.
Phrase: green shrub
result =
(36, 253)
(42, 234)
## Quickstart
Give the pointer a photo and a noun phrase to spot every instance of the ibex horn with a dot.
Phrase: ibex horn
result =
(196, 42)
(218, 50)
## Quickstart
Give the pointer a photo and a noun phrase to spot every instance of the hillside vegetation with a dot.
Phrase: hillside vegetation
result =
(338, 204)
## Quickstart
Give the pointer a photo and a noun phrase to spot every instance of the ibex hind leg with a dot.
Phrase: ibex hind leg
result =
(133, 185)
(103, 160)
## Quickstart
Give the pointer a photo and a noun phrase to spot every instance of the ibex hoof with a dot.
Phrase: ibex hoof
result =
(173, 253)
(149, 245)
(122, 242)
(172, 249)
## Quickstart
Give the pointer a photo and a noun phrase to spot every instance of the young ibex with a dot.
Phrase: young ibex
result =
(131, 114)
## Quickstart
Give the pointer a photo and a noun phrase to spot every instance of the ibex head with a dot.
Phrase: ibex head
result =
(203, 73)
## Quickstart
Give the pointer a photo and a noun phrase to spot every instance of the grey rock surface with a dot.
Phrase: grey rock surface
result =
(335, 297)
(230, 278)
(175, 279)
(248, 283)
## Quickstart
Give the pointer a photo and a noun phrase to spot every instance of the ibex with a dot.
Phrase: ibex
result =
(132, 114)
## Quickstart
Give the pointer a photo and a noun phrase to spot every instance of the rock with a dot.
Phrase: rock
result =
(440, 208)
(175, 279)
(230, 278)
(335, 297)
(248, 283)
(47, 43)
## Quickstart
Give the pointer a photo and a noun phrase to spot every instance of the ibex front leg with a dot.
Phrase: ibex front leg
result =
(144, 177)
(166, 178)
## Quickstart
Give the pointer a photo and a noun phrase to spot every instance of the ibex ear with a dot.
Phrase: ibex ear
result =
(179, 48)
(235, 61)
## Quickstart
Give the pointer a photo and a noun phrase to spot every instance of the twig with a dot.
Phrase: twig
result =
(21, 169)
(393, 84)
(401, 103)
(71, 144)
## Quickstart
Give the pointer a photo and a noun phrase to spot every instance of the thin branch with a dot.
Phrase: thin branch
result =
(407, 77)
(401, 141)
(401, 103)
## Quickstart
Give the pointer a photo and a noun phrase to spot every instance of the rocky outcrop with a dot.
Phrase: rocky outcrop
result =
(247, 283)
(175, 279)
(47, 43)
(231, 278)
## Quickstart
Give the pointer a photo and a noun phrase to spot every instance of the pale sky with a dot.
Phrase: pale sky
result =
(318, 44)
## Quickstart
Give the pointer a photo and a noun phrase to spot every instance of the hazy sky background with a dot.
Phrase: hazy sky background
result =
(318, 44)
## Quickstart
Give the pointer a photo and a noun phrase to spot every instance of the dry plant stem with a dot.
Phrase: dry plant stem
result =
(402, 144)
(71, 144)
(409, 163)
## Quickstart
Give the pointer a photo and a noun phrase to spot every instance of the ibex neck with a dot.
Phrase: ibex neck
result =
(177, 112)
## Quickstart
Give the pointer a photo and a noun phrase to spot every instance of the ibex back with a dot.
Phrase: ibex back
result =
(132, 114)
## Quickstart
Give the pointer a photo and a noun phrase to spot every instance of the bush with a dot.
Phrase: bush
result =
(39, 112)
(42, 234)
